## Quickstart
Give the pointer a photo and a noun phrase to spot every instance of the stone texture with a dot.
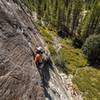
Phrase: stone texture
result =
(19, 77)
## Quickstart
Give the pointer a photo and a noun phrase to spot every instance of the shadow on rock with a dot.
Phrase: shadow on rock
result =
(45, 77)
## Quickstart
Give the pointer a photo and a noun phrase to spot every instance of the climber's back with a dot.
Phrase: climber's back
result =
(39, 56)
(42, 57)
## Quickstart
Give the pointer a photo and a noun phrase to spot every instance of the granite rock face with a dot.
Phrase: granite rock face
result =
(19, 77)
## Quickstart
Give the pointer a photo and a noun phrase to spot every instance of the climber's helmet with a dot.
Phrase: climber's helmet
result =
(40, 49)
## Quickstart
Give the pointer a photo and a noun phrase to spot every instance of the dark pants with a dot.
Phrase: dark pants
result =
(40, 67)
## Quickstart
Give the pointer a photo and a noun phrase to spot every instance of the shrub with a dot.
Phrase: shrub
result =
(52, 50)
(92, 49)
(88, 81)
(46, 34)
(60, 60)
(77, 42)
(66, 41)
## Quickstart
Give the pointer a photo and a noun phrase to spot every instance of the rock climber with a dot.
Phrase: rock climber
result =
(42, 63)
(39, 57)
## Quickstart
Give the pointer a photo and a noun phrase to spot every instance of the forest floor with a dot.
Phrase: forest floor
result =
(72, 61)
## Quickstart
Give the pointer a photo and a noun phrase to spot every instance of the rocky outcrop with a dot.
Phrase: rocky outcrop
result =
(19, 76)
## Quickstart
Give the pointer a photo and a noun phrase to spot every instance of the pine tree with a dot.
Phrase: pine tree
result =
(79, 16)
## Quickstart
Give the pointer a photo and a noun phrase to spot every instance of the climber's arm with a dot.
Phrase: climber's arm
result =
(36, 58)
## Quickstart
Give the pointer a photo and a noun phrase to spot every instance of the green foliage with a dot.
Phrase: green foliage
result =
(88, 81)
(30, 4)
(92, 49)
(66, 41)
(47, 35)
(73, 57)
(85, 77)
(91, 19)
(61, 61)
(58, 58)
(80, 16)
(52, 50)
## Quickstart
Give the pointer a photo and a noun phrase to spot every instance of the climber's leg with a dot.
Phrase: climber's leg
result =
(40, 68)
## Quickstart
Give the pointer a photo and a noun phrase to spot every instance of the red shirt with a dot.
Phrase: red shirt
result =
(38, 58)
